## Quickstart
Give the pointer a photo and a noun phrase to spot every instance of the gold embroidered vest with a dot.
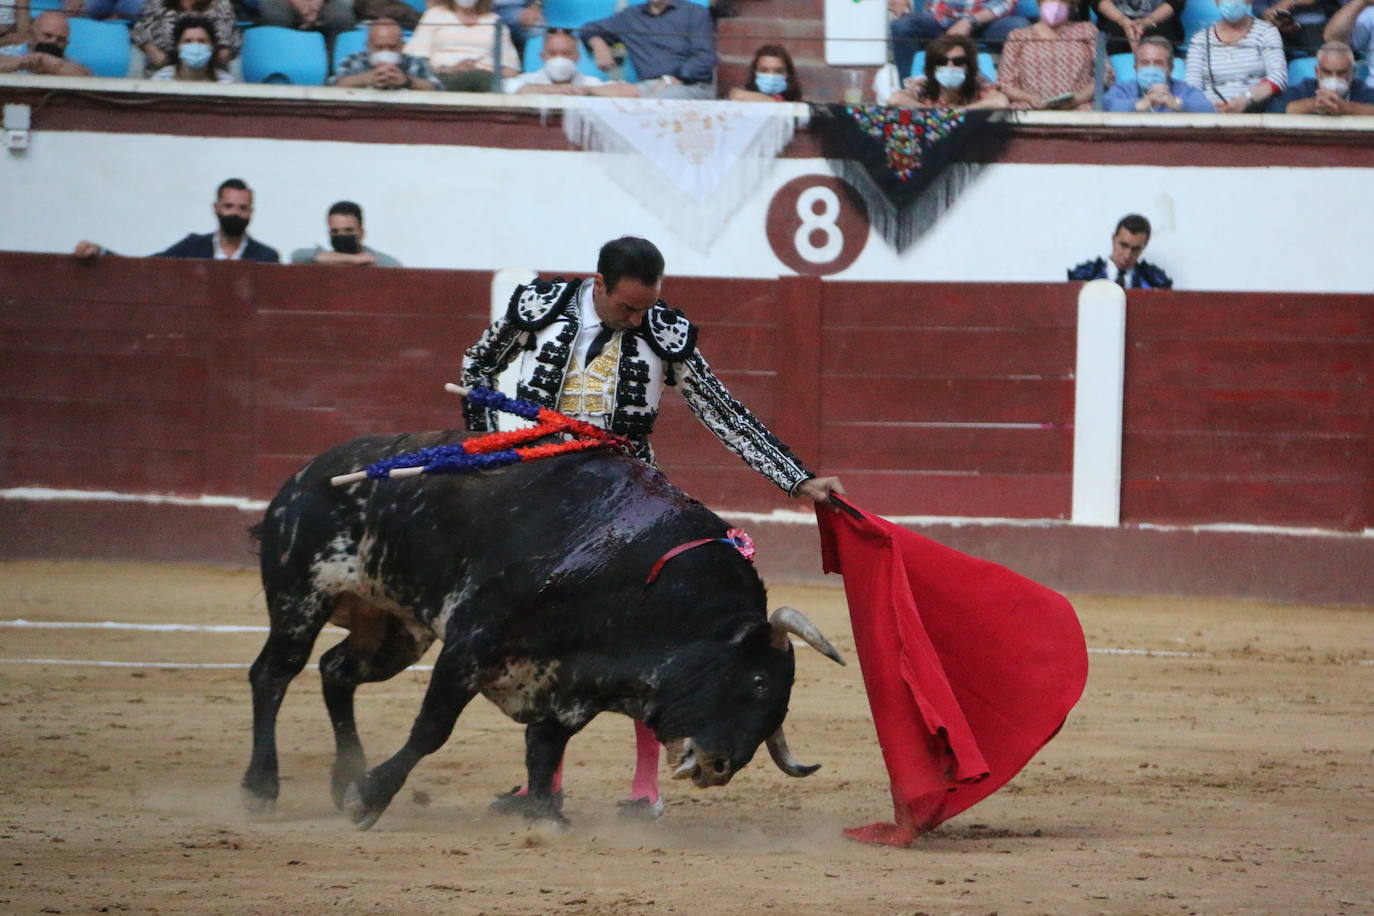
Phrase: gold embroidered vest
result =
(589, 394)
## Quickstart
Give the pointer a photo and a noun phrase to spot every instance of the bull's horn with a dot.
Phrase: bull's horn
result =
(790, 620)
(777, 748)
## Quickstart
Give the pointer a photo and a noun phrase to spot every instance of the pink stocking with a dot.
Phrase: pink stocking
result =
(645, 783)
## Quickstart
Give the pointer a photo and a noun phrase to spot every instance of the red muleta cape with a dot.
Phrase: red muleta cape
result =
(970, 668)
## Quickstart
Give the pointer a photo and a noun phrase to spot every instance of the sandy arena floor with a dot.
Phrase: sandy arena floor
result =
(1237, 781)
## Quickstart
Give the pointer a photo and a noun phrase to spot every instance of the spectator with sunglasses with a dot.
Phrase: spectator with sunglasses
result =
(985, 20)
(951, 80)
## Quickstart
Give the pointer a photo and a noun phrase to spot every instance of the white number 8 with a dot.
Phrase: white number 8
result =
(823, 221)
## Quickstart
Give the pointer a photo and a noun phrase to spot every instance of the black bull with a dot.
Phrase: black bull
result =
(534, 577)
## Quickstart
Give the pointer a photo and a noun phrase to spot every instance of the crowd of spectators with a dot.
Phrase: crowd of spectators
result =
(667, 49)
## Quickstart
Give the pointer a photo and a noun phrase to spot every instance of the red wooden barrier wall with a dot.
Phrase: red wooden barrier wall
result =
(150, 375)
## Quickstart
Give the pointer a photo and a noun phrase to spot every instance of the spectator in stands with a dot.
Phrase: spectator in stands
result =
(1238, 62)
(1153, 88)
(1051, 64)
(519, 16)
(383, 65)
(1126, 22)
(951, 80)
(345, 221)
(672, 44)
(1334, 91)
(1124, 266)
(45, 50)
(193, 59)
(985, 20)
(1354, 24)
(155, 29)
(233, 208)
(457, 37)
(1300, 22)
(560, 75)
(328, 16)
(772, 78)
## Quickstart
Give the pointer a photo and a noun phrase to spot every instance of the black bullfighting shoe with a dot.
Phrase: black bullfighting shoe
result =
(517, 802)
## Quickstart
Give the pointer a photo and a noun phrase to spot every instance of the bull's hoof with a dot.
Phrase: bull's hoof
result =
(256, 803)
(641, 809)
(343, 775)
(358, 811)
(514, 803)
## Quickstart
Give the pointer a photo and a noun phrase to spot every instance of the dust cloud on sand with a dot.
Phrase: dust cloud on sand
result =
(1234, 776)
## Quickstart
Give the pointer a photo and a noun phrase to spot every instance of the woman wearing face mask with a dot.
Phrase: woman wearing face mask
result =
(772, 78)
(1050, 64)
(1126, 22)
(457, 38)
(193, 58)
(951, 80)
(154, 32)
(1238, 63)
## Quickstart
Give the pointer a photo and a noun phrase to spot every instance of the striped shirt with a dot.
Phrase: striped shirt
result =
(1223, 71)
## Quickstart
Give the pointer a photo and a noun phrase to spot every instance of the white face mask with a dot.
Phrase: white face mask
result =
(385, 57)
(1334, 84)
(949, 76)
(560, 69)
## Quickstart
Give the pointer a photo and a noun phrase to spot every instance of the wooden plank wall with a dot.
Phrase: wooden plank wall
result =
(1247, 407)
(191, 377)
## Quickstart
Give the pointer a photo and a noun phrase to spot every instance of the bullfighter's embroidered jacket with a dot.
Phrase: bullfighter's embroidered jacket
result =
(540, 327)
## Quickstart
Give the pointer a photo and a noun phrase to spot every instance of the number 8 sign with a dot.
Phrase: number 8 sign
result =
(817, 225)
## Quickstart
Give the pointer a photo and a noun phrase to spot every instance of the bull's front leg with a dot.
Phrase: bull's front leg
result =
(451, 687)
(545, 743)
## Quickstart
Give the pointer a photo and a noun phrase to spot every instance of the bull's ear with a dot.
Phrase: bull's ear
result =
(751, 636)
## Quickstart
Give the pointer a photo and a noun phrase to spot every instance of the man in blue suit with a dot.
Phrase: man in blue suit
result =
(233, 208)
(1124, 266)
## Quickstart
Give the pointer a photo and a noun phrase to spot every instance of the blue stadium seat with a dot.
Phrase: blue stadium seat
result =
(102, 46)
(535, 44)
(1304, 68)
(986, 65)
(569, 14)
(275, 55)
(418, 5)
(346, 43)
(1198, 15)
(1028, 9)
(1123, 67)
(39, 6)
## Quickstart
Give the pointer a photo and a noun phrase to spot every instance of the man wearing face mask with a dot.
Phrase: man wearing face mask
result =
(560, 75)
(383, 65)
(45, 51)
(233, 208)
(1334, 91)
(1153, 89)
(345, 221)
(1124, 266)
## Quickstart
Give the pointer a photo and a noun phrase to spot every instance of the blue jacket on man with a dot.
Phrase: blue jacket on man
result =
(1123, 97)
(202, 245)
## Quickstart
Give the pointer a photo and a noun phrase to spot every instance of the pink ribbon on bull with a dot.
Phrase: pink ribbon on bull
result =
(735, 537)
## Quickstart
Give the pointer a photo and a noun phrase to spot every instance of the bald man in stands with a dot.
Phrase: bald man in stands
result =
(45, 50)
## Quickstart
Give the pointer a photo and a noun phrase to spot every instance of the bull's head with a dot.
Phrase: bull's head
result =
(719, 705)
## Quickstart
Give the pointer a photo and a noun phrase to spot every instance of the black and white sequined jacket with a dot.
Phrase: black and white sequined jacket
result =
(540, 326)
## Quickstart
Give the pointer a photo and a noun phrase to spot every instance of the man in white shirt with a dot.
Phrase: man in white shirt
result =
(560, 74)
